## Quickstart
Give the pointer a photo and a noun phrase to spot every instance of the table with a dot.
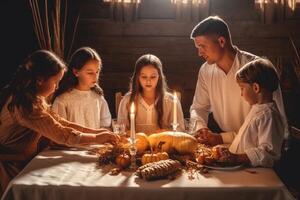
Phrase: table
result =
(69, 174)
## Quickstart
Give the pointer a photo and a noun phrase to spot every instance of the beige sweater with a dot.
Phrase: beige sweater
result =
(20, 134)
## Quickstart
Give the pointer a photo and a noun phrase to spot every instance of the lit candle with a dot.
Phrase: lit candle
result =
(132, 120)
(175, 109)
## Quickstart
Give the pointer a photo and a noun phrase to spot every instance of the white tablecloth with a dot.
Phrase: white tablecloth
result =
(66, 174)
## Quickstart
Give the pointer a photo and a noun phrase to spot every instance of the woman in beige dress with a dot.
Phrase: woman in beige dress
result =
(25, 116)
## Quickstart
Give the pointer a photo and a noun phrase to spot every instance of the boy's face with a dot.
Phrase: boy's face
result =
(249, 92)
(148, 78)
(88, 75)
(46, 87)
(211, 48)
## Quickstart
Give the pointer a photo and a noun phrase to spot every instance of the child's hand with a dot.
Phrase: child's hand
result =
(107, 137)
(227, 157)
(205, 136)
(223, 154)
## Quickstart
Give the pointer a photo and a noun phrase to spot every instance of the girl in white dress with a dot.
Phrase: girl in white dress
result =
(148, 91)
(79, 98)
(259, 140)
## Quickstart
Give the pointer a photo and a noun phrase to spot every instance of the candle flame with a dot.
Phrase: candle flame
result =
(132, 108)
(175, 96)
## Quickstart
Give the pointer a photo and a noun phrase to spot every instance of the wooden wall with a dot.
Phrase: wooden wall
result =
(120, 41)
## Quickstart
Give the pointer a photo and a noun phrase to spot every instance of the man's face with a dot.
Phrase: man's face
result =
(211, 48)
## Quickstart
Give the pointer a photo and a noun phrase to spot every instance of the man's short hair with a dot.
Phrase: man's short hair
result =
(212, 25)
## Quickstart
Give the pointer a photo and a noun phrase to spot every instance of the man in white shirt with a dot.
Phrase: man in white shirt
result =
(217, 91)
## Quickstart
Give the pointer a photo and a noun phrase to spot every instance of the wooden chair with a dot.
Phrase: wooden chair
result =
(118, 98)
(295, 132)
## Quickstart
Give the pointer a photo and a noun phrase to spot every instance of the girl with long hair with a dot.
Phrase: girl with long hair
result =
(153, 103)
(80, 98)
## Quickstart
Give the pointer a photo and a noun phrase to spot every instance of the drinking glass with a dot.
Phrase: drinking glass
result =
(118, 127)
(190, 125)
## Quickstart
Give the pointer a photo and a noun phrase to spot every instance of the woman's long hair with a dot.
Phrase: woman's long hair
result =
(161, 88)
(78, 59)
(22, 89)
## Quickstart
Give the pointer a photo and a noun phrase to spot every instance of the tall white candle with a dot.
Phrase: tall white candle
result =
(132, 122)
(175, 109)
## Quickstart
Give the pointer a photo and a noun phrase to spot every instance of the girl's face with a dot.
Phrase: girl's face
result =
(249, 92)
(88, 75)
(46, 87)
(148, 78)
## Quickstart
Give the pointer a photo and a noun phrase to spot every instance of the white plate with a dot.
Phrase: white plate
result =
(224, 168)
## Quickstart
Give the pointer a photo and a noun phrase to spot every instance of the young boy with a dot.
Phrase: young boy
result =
(260, 138)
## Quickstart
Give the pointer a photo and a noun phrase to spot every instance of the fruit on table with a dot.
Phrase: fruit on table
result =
(123, 160)
(180, 142)
(154, 157)
(142, 142)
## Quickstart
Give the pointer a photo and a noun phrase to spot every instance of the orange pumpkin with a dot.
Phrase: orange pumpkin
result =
(123, 160)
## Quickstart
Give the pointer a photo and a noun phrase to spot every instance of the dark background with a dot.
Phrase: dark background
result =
(121, 35)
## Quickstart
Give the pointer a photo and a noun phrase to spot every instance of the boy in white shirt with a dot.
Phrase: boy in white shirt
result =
(260, 138)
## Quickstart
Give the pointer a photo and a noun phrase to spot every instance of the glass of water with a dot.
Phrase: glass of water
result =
(118, 127)
(190, 125)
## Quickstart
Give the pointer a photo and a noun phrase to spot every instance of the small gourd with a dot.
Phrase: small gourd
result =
(123, 160)
(154, 157)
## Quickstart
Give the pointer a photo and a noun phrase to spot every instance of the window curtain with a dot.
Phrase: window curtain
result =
(191, 10)
(275, 10)
(124, 10)
(53, 21)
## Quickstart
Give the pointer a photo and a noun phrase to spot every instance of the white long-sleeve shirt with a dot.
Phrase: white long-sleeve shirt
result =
(146, 117)
(219, 93)
(86, 108)
(260, 136)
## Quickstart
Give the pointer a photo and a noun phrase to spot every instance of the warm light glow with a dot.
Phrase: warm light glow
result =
(291, 3)
(187, 1)
(132, 108)
(123, 1)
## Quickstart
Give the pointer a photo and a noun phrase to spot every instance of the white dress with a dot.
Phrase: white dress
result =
(260, 136)
(220, 94)
(146, 115)
(86, 108)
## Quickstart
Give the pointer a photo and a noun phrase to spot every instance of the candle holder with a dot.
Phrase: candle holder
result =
(132, 151)
(174, 126)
